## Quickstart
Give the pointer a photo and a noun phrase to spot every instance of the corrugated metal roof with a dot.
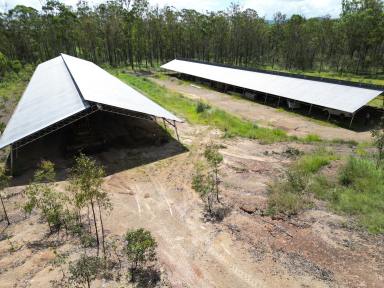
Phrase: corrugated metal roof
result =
(62, 87)
(97, 85)
(335, 96)
(50, 97)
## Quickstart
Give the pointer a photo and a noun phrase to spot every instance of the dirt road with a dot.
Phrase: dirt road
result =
(265, 115)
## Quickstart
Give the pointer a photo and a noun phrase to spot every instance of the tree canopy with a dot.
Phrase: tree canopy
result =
(132, 32)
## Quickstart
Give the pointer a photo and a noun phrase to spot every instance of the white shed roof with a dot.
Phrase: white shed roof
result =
(64, 86)
(335, 96)
(97, 85)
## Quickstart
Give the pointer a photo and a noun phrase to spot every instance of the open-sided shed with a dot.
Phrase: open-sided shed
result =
(66, 89)
(335, 97)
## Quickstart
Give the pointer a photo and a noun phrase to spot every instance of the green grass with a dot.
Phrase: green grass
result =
(290, 195)
(177, 103)
(12, 87)
(313, 162)
(357, 190)
(312, 138)
(377, 102)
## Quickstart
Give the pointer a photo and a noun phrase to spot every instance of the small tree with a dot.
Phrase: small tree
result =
(4, 182)
(204, 185)
(86, 180)
(140, 249)
(85, 270)
(214, 159)
(378, 140)
(45, 197)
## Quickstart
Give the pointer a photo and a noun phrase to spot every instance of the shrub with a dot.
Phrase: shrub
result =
(201, 107)
(85, 270)
(140, 249)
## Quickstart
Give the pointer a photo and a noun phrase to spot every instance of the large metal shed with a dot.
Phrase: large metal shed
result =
(66, 89)
(343, 97)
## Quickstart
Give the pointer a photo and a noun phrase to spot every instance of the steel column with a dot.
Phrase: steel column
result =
(350, 123)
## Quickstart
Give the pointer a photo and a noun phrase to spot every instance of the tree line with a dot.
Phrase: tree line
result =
(125, 32)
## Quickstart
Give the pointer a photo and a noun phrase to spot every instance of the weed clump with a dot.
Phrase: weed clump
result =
(291, 195)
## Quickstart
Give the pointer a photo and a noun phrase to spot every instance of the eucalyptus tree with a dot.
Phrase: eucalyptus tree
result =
(86, 181)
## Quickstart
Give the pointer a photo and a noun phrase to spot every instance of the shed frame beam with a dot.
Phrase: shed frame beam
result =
(55, 127)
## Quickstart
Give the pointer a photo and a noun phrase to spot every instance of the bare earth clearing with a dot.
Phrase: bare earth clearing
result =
(263, 114)
(314, 249)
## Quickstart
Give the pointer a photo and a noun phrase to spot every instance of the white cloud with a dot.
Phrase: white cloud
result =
(308, 8)
(267, 8)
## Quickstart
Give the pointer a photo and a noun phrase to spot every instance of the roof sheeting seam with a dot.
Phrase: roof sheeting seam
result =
(329, 95)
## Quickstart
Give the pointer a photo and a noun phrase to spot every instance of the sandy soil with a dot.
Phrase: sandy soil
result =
(263, 114)
(314, 249)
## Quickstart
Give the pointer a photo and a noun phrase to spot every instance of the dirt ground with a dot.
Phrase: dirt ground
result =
(293, 124)
(314, 249)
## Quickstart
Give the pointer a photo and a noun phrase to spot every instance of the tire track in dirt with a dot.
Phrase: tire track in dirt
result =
(206, 246)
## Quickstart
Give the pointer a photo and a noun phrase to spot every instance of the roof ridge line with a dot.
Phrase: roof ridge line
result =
(73, 80)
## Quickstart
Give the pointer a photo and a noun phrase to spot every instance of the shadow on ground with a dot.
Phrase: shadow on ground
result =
(117, 142)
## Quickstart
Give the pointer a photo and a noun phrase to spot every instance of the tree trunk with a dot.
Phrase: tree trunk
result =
(217, 185)
(102, 228)
(5, 211)
(89, 220)
(97, 233)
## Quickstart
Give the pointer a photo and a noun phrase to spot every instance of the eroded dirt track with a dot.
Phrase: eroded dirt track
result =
(244, 250)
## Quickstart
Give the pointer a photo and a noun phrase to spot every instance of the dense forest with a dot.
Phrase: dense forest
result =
(124, 32)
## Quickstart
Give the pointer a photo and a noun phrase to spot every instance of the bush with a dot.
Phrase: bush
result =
(201, 107)
(140, 249)
(85, 270)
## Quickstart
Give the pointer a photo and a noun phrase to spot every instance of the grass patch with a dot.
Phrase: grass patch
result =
(230, 124)
(312, 138)
(377, 102)
(291, 195)
(312, 163)
(358, 192)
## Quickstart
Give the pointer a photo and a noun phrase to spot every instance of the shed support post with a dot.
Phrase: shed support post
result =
(11, 161)
(265, 99)
(177, 133)
(329, 116)
(350, 123)
(278, 102)
(310, 110)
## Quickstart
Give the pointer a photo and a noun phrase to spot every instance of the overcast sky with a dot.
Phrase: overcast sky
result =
(267, 8)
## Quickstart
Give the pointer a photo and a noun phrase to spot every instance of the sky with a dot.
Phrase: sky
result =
(265, 8)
